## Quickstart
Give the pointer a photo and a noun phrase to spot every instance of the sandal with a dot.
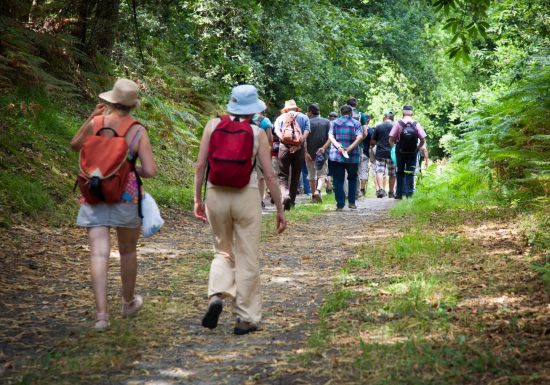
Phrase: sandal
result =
(102, 321)
(131, 308)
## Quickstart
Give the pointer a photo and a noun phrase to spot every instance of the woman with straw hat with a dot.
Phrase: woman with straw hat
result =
(124, 216)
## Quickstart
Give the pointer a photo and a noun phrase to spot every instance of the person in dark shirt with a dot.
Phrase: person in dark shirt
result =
(365, 156)
(384, 164)
(317, 143)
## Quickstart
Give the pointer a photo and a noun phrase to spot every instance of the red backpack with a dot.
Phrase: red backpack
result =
(230, 153)
(104, 163)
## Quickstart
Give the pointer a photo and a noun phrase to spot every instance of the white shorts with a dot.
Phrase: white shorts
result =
(364, 167)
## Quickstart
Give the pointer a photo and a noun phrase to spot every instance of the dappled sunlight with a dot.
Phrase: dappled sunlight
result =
(491, 301)
(381, 335)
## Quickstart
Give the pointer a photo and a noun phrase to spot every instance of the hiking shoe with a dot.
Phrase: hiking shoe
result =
(378, 193)
(215, 307)
(363, 192)
(131, 308)
(398, 197)
(391, 194)
(102, 322)
(287, 204)
(339, 209)
(329, 192)
(317, 197)
(352, 206)
(383, 192)
(244, 327)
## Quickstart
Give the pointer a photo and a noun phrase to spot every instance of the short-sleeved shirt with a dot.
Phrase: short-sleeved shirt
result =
(318, 134)
(397, 129)
(363, 117)
(382, 135)
(345, 130)
(263, 122)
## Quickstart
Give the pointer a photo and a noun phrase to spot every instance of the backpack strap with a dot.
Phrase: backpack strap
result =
(127, 122)
(125, 125)
(97, 123)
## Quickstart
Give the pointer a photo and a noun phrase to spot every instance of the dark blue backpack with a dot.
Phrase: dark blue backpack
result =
(408, 140)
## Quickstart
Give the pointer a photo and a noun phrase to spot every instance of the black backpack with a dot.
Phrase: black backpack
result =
(408, 140)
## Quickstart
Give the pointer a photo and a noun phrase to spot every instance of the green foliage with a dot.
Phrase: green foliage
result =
(421, 361)
(335, 301)
(24, 195)
(30, 59)
(466, 20)
(451, 190)
(509, 137)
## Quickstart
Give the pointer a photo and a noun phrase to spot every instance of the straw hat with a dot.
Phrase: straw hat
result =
(244, 101)
(290, 105)
(124, 92)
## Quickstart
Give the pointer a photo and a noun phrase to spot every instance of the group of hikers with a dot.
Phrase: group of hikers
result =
(240, 154)
(341, 151)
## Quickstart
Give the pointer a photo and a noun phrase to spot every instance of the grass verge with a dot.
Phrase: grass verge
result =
(449, 296)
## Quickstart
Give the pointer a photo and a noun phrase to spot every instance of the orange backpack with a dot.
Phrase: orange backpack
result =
(104, 163)
(291, 131)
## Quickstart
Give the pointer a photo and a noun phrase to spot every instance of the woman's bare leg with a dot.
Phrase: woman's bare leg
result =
(127, 244)
(100, 243)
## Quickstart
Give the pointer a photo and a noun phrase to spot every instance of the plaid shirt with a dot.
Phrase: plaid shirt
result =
(345, 130)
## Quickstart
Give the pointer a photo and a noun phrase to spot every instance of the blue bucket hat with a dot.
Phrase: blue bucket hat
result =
(244, 101)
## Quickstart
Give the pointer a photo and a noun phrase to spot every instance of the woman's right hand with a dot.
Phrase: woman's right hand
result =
(99, 110)
(281, 222)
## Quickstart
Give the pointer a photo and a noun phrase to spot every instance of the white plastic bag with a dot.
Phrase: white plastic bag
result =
(152, 221)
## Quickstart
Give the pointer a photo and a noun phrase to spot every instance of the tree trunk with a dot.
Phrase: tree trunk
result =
(83, 9)
(106, 25)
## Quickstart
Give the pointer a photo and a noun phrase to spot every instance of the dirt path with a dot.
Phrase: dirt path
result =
(47, 305)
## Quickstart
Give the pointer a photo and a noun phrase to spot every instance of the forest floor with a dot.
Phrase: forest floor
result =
(311, 332)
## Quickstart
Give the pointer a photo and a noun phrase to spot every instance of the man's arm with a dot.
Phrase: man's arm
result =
(355, 143)
(424, 151)
(324, 147)
(421, 143)
(393, 133)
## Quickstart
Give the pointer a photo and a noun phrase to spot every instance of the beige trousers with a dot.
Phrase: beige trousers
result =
(235, 217)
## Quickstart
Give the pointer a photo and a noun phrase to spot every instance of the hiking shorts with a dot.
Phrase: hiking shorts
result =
(385, 164)
(364, 167)
(313, 174)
